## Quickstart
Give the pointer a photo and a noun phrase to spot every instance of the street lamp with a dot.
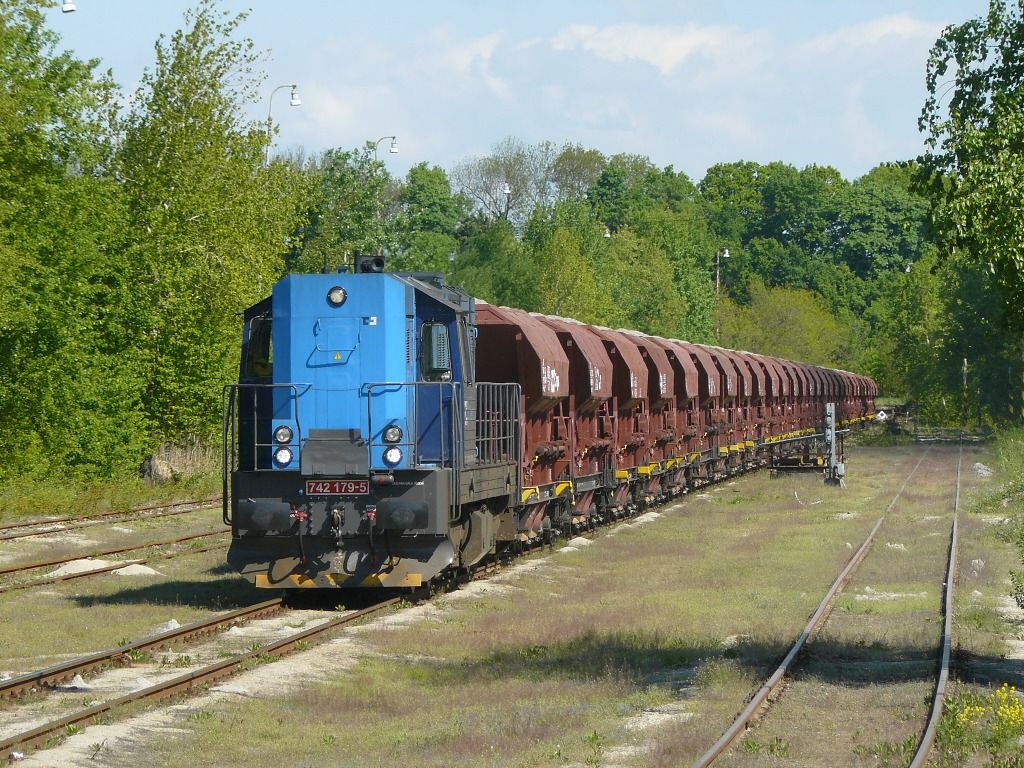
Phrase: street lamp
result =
(68, 6)
(393, 149)
(294, 101)
(723, 254)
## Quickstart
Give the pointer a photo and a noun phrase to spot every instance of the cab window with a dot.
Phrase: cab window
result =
(435, 352)
(259, 361)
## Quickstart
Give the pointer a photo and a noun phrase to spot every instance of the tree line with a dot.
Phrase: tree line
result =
(134, 230)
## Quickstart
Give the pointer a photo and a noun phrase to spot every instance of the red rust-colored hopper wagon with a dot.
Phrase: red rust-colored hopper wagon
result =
(388, 430)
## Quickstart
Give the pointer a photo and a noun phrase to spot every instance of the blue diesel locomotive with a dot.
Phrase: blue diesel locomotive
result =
(358, 448)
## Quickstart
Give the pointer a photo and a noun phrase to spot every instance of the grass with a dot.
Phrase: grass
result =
(863, 692)
(983, 720)
(62, 497)
(686, 613)
(40, 626)
(547, 670)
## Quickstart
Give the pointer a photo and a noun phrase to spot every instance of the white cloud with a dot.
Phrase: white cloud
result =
(664, 48)
(469, 61)
(729, 125)
(900, 28)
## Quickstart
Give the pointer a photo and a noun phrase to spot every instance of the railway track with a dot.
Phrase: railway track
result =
(26, 529)
(182, 684)
(771, 688)
(51, 562)
(50, 677)
(175, 686)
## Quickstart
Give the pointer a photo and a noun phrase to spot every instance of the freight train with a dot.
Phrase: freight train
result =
(389, 430)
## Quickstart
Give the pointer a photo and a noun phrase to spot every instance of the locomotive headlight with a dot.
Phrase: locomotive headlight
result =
(336, 296)
(283, 456)
(392, 455)
(283, 435)
(392, 434)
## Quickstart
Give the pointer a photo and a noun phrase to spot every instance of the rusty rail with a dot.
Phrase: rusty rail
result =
(51, 676)
(155, 509)
(181, 684)
(86, 555)
(760, 698)
(939, 698)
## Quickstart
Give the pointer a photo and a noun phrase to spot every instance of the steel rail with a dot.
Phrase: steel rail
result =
(184, 683)
(939, 698)
(200, 504)
(749, 713)
(105, 569)
(181, 684)
(118, 517)
(86, 555)
(49, 677)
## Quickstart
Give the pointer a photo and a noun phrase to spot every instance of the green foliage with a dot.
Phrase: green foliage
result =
(883, 223)
(206, 221)
(575, 170)
(428, 221)
(345, 213)
(72, 399)
(786, 322)
(131, 239)
(927, 322)
(493, 265)
(972, 723)
(974, 166)
(128, 243)
(565, 248)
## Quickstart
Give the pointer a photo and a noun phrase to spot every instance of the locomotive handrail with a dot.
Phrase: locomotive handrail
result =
(411, 440)
(495, 425)
(231, 444)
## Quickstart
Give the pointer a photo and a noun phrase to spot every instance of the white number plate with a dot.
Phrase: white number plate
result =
(337, 487)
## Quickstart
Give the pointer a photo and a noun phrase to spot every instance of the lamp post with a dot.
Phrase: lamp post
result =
(294, 101)
(393, 149)
(68, 6)
(723, 254)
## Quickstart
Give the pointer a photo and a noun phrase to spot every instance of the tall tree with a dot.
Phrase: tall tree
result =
(492, 264)
(428, 220)
(71, 395)
(511, 181)
(787, 322)
(883, 222)
(565, 244)
(974, 120)
(575, 170)
(348, 210)
(732, 197)
(209, 223)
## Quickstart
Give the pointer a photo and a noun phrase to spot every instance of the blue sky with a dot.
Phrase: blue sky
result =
(686, 83)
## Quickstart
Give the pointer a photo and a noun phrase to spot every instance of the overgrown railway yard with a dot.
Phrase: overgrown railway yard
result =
(636, 647)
